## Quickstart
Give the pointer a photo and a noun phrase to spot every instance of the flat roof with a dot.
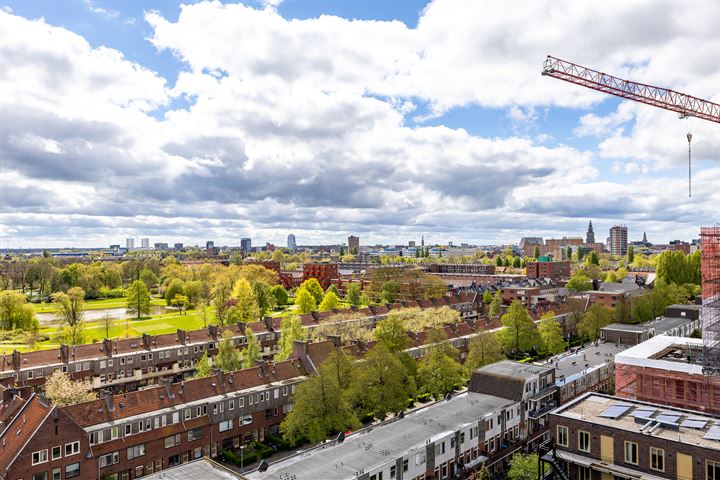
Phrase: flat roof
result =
(509, 368)
(574, 365)
(645, 353)
(663, 324)
(203, 469)
(627, 327)
(368, 449)
(640, 417)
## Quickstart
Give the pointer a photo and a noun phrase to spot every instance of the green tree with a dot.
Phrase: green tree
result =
(280, 294)
(390, 290)
(148, 277)
(313, 287)
(597, 317)
(579, 254)
(175, 287)
(621, 313)
(228, 358)
(484, 473)
(381, 384)
(523, 467)
(334, 289)
(568, 252)
(290, 330)
(137, 299)
(391, 332)
(484, 349)
(264, 299)
(15, 312)
(246, 303)
(631, 254)
(536, 252)
(181, 302)
(195, 291)
(319, 409)
(202, 367)
(498, 261)
(579, 283)
(516, 262)
(487, 297)
(551, 335)
(252, 350)
(304, 301)
(507, 262)
(352, 296)
(496, 304)
(519, 333)
(71, 305)
(330, 302)
(221, 294)
(592, 258)
(438, 372)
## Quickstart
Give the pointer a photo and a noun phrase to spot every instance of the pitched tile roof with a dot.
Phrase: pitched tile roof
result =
(21, 429)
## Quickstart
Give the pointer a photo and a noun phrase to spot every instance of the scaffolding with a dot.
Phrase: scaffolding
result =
(710, 313)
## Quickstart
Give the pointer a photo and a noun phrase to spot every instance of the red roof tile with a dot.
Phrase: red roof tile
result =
(21, 429)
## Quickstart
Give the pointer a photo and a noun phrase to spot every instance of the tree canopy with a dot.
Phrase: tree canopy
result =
(519, 333)
(138, 299)
(596, 317)
(305, 301)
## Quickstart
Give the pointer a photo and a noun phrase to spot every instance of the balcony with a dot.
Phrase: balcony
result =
(542, 410)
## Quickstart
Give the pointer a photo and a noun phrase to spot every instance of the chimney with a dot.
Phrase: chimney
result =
(269, 324)
(596, 284)
(9, 394)
(16, 360)
(300, 349)
(108, 397)
(241, 327)
(181, 336)
(107, 347)
(213, 330)
(335, 339)
(147, 341)
(220, 375)
(167, 383)
(64, 353)
(263, 366)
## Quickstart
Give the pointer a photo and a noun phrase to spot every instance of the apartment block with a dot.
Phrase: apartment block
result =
(600, 437)
(552, 270)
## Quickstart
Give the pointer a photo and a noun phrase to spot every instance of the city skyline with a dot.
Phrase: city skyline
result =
(390, 131)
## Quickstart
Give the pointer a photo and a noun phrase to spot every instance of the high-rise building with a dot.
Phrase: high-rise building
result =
(209, 244)
(354, 244)
(618, 240)
(291, 242)
(161, 246)
(245, 244)
(144, 243)
(590, 236)
(178, 246)
(411, 243)
(130, 243)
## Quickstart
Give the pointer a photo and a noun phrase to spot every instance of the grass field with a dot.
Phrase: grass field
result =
(93, 304)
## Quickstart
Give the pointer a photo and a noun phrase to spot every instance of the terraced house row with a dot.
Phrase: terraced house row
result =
(128, 364)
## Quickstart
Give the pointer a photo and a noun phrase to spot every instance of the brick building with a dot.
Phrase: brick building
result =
(600, 437)
(324, 272)
(553, 270)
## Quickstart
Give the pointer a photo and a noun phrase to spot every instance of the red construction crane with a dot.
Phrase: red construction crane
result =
(685, 105)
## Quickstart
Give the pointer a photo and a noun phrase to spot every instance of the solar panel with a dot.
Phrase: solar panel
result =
(614, 411)
(713, 433)
(698, 423)
(645, 413)
(668, 418)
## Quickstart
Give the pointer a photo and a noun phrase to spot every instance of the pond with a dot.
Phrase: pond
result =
(91, 315)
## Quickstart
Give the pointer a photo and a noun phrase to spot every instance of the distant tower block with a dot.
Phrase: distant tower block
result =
(710, 313)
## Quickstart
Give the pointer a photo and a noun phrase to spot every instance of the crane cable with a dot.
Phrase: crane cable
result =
(689, 139)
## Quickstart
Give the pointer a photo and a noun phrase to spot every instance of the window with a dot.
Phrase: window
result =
(139, 471)
(631, 453)
(57, 474)
(419, 458)
(56, 452)
(72, 448)
(188, 413)
(114, 433)
(39, 457)
(657, 459)
(195, 434)
(285, 391)
(136, 451)
(225, 426)
(128, 428)
(172, 440)
(584, 473)
(247, 420)
(562, 436)
(72, 470)
(583, 441)
(215, 409)
(40, 476)
(713, 470)
(150, 468)
(222, 407)
(109, 459)
(393, 471)
(231, 405)
(405, 465)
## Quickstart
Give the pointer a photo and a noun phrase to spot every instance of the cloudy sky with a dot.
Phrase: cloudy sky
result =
(384, 119)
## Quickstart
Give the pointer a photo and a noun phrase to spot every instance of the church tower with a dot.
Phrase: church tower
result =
(590, 237)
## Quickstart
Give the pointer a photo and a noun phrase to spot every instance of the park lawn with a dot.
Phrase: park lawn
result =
(95, 304)
(121, 328)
